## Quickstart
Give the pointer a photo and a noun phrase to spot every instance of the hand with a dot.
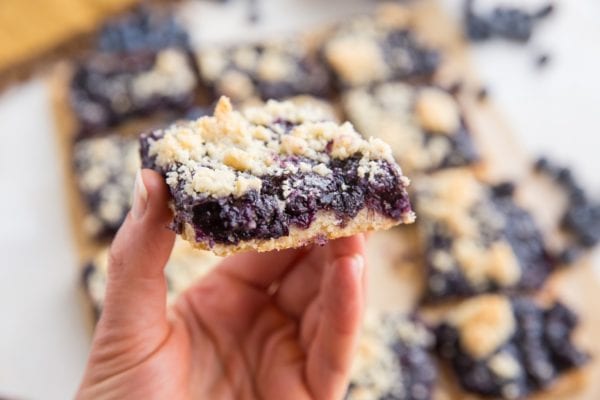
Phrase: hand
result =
(279, 325)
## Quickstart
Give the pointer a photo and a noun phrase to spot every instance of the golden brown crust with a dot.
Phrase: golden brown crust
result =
(325, 226)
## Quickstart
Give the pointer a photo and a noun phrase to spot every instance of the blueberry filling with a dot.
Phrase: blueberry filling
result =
(105, 172)
(417, 378)
(461, 150)
(103, 92)
(526, 240)
(144, 29)
(418, 372)
(392, 366)
(255, 215)
(407, 58)
(541, 346)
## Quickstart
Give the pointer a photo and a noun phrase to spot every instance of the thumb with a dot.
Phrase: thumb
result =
(135, 302)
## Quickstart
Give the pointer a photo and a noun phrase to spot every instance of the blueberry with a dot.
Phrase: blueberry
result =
(505, 22)
(482, 93)
(478, 29)
(511, 23)
(541, 164)
(564, 176)
(569, 255)
(505, 189)
(542, 60)
(577, 196)
(545, 11)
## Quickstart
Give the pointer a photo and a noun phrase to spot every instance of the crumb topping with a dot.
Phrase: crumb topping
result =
(496, 263)
(358, 60)
(242, 72)
(449, 196)
(484, 323)
(273, 67)
(323, 108)
(356, 51)
(236, 85)
(504, 365)
(229, 152)
(170, 76)
(393, 16)
(437, 111)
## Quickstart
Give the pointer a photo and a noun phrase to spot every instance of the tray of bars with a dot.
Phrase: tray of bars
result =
(488, 294)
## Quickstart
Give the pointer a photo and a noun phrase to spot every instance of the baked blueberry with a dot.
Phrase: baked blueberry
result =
(275, 176)
(476, 241)
(144, 29)
(185, 266)
(508, 348)
(272, 70)
(108, 89)
(393, 360)
(423, 124)
(383, 47)
(105, 169)
(507, 22)
(581, 219)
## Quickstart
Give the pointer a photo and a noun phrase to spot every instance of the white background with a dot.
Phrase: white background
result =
(44, 334)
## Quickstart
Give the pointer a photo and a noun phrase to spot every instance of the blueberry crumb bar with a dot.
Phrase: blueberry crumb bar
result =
(108, 89)
(378, 48)
(393, 360)
(274, 177)
(508, 348)
(423, 124)
(105, 169)
(476, 239)
(270, 70)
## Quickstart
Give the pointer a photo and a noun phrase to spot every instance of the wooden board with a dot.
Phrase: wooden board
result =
(33, 33)
(396, 276)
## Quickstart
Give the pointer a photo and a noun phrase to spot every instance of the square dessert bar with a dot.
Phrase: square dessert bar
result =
(271, 70)
(393, 360)
(274, 177)
(379, 48)
(476, 239)
(185, 266)
(105, 169)
(424, 125)
(508, 348)
(108, 89)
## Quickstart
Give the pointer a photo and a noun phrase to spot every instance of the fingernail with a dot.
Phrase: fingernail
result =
(358, 264)
(140, 197)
